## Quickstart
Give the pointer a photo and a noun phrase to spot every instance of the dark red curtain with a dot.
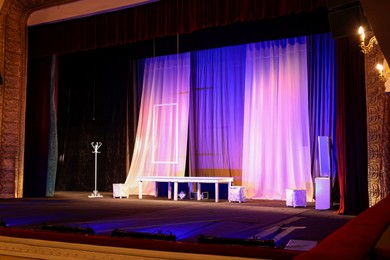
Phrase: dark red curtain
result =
(351, 127)
(160, 19)
(37, 128)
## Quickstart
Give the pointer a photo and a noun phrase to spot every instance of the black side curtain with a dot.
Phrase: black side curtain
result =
(97, 103)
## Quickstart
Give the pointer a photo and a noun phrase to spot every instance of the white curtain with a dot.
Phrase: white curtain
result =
(276, 153)
(161, 141)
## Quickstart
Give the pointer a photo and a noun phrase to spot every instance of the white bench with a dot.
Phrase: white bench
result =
(177, 180)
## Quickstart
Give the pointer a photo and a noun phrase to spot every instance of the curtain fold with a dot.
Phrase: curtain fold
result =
(276, 148)
(37, 128)
(216, 112)
(322, 102)
(53, 136)
(161, 143)
(133, 101)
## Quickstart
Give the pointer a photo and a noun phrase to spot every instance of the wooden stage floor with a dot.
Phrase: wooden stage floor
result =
(186, 219)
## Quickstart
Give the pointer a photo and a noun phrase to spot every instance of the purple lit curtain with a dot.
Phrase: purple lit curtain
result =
(216, 112)
(161, 142)
(276, 148)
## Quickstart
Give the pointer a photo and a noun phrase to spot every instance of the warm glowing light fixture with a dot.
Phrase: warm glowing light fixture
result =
(366, 48)
(379, 68)
(383, 71)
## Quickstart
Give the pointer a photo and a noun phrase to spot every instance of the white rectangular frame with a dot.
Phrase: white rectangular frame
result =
(154, 127)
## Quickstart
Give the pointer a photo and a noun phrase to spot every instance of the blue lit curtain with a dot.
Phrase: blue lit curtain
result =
(322, 106)
(276, 147)
(216, 112)
(161, 142)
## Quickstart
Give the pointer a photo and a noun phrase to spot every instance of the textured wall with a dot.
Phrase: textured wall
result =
(13, 96)
(13, 57)
(378, 127)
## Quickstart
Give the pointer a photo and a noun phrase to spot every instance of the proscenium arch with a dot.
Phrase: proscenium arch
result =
(13, 68)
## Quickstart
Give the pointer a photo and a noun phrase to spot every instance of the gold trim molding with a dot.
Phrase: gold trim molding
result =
(26, 248)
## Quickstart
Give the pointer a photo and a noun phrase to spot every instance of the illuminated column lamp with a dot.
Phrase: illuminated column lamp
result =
(379, 68)
(384, 75)
(366, 48)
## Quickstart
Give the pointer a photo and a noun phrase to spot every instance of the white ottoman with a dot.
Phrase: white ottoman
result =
(117, 191)
(295, 198)
(237, 193)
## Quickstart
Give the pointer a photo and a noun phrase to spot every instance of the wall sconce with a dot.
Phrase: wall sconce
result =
(366, 48)
(379, 68)
(384, 75)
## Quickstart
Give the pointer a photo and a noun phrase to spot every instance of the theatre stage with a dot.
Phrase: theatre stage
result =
(185, 219)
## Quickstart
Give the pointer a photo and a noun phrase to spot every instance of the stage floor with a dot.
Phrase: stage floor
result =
(186, 219)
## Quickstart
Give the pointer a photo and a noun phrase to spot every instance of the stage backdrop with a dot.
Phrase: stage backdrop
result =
(248, 115)
(204, 113)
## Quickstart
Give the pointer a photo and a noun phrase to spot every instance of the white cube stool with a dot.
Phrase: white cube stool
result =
(117, 191)
(237, 193)
(295, 198)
